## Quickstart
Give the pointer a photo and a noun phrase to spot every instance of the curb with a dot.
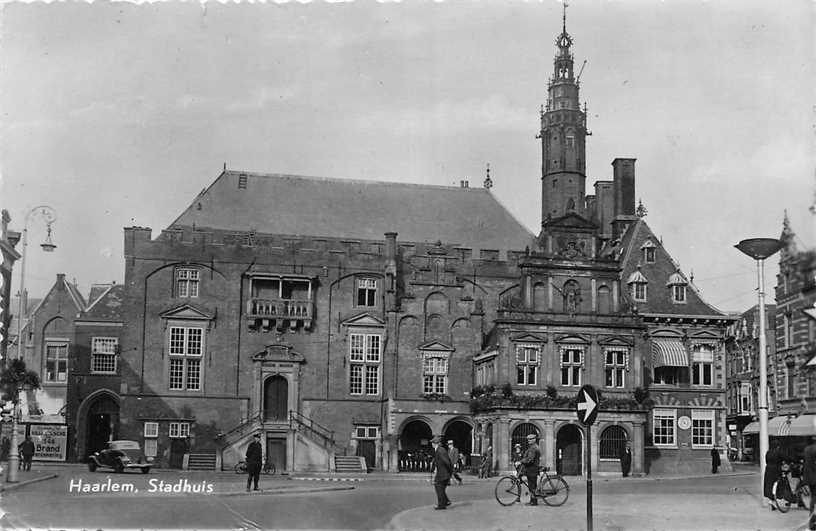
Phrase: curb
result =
(297, 490)
(11, 486)
(327, 479)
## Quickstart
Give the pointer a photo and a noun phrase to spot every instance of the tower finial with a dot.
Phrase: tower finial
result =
(564, 18)
(488, 182)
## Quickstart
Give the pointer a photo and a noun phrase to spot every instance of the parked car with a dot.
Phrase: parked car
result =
(120, 456)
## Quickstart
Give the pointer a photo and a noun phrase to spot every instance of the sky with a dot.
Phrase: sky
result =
(117, 114)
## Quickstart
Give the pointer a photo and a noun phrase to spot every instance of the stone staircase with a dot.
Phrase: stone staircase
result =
(349, 464)
(203, 461)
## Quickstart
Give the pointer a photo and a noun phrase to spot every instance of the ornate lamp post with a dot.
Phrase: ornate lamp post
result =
(14, 454)
(759, 249)
(49, 215)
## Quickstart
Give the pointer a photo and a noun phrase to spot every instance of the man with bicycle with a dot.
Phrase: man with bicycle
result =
(530, 461)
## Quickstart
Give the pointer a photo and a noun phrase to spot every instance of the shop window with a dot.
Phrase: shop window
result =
(671, 375)
(702, 429)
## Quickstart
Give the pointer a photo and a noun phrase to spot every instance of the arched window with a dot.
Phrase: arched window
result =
(520, 434)
(613, 441)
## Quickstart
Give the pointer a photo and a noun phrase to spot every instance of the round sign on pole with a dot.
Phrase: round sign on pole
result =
(587, 405)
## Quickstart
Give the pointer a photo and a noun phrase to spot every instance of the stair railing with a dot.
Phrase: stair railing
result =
(240, 430)
(325, 435)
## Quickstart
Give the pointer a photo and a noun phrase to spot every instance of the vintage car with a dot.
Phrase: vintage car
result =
(120, 456)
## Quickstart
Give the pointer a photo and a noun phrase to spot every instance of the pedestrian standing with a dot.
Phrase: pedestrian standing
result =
(715, 460)
(626, 459)
(530, 461)
(486, 468)
(26, 450)
(442, 473)
(809, 477)
(517, 454)
(456, 460)
(254, 460)
(773, 461)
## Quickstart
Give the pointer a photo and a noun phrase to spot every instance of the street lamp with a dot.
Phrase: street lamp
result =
(49, 215)
(14, 454)
(759, 249)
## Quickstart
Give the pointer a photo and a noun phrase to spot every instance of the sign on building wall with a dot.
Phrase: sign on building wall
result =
(50, 441)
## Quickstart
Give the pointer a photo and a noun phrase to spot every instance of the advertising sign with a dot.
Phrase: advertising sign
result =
(50, 441)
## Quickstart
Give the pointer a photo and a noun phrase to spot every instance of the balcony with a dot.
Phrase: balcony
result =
(264, 314)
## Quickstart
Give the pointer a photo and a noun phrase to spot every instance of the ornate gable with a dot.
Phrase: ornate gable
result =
(188, 312)
(528, 338)
(435, 346)
(364, 319)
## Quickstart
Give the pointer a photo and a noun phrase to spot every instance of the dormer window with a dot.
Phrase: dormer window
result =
(677, 284)
(637, 284)
(648, 249)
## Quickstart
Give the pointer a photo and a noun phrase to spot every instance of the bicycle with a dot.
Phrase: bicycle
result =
(785, 495)
(551, 488)
(267, 468)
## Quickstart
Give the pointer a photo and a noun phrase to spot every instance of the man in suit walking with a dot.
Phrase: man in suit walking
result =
(442, 475)
(809, 476)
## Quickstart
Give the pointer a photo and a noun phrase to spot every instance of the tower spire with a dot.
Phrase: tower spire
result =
(564, 18)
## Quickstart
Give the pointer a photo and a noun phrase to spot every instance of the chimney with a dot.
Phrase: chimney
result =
(623, 178)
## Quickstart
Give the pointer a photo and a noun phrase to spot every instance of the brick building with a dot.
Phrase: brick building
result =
(349, 318)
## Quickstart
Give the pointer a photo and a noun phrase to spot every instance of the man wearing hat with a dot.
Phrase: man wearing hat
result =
(444, 469)
(254, 459)
(530, 460)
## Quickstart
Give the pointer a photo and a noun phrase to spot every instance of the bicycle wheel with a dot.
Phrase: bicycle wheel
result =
(554, 491)
(269, 468)
(240, 467)
(781, 490)
(508, 491)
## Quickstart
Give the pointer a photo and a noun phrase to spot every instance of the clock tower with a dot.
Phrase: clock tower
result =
(563, 138)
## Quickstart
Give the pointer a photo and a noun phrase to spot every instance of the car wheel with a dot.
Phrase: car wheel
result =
(145, 470)
(92, 465)
(118, 468)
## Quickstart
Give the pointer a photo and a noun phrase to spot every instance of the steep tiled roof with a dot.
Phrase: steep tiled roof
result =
(365, 210)
(659, 296)
(108, 306)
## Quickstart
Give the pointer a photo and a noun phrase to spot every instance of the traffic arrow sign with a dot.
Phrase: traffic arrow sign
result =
(587, 405)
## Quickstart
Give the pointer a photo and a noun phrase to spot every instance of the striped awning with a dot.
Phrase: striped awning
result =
(668, 353)
(777, 427)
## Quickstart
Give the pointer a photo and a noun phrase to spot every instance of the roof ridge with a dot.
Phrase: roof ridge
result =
(352, 181)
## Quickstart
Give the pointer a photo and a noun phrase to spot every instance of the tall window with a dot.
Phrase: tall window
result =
(187, 282)
(434, 373)
(103, 355)
(679, 293)
(186, 350)
(702, 366)
(364, 364)
(527, 362)
(702, 428)
(572, 360)
(615, 367)
(745, 398)
(663, 427)
(788, 331)
(790, 382)
(639, 291)
(56, 362)
(613, 441)
(366, 292)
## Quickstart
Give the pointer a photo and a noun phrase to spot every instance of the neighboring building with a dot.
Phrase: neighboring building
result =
(94, 378)
(742, 380)
(795, 327)
(48, 336)
(357, 318)
(8, 255)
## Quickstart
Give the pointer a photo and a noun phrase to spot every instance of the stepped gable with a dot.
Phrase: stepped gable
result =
(659, 296)
(107, 306)
(356, 210)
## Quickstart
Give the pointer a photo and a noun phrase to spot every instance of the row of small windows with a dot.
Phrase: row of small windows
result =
(664, 431)
(571, 365)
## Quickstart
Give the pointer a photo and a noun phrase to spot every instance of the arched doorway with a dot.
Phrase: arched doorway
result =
(276, 398)
(520, 434)
(415, 449)
(568, 457)
(460, 432)
(102, 423)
